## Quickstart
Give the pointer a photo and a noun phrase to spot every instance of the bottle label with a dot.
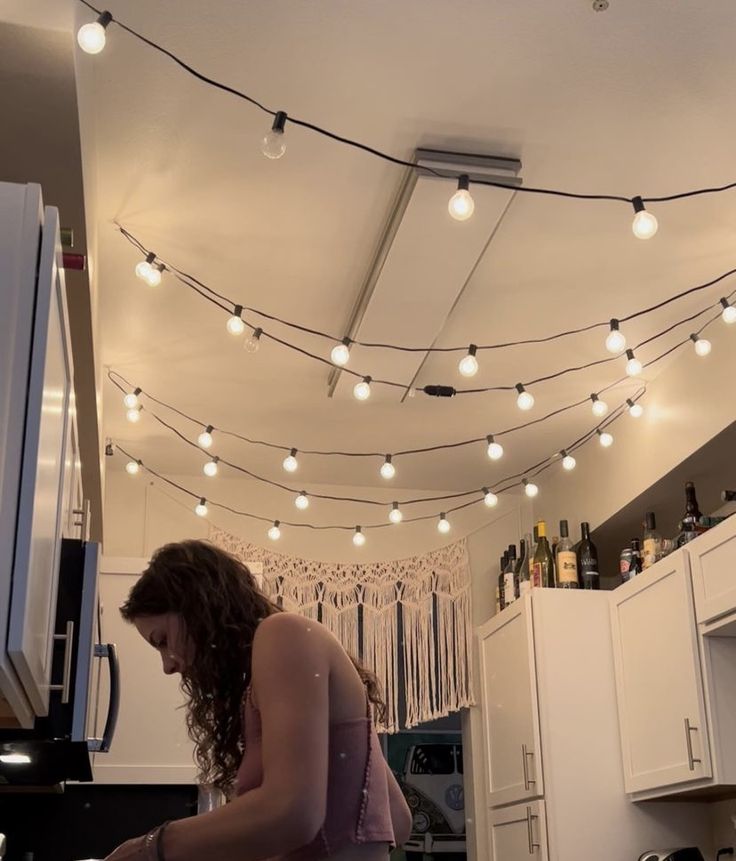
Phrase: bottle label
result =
(509, 588)
(525, 586)
(536, 578)
(567, 567)
(650, 552)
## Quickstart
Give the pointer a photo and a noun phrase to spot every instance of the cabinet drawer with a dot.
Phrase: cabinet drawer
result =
(519, 833)
(713, 563)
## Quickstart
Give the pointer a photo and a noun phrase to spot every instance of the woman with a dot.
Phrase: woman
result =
(280, 716)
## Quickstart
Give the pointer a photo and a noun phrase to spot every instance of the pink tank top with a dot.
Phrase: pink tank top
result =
(358, 809)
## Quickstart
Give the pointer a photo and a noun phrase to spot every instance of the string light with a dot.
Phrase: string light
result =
(633, 365)
(340, 354)
(702, 345)
(273, 145)
(729, 312)
(274, 533)
(605, 438)
(495, 449)
(205, 438)
(201, 508)
(235, 324)
(461, 203)
(395, 515)
(636, 410)
(91, 37)
(132, 467)
(253, 341)
(616, 340)
(210, 468)
(388, 470)
(130, 401)
(489, 498)
(149, 271)
(568, 461)
(134, 415)
(290, 463)
(600, 408)
(443, 524)
(644, 224)
(358, 537)
(362, 390)
(525, 401)
(468, 366)
(530, 488)
(302, 501)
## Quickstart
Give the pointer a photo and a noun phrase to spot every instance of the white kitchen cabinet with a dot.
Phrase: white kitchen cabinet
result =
(519, 832)
(661, 704)
(713, 561)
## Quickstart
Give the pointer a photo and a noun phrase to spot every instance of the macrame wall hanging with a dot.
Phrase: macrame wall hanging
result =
(408, 620)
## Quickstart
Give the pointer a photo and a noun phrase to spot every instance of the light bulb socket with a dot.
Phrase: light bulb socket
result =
(103, 20)
(209, 429)
(599, 431)
(257, 332)
(137, 390)
(490, 439)
(358, 530)
(150, 257)
(388, 458)
(485, 491)
(638, 204)
(439, 391)
(463, 182)
(368, 380)
(724, 303)
(202, 500)
(629, 403)
(563, 453)
(594, 397)
(277, 523)
(279, 122)
(292, 453)
(472, 349)
(520, 388)
(346, 341)
(109, 451)
(215, 459)
(614, 325)
(237, 310)
(443, 516)
(394, 506)
(694, 338)
(630, 355)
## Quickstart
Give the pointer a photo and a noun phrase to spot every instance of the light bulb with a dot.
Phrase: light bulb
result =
(568, 461)
(395, 515)
(201, 508)
(530, 488)
(636, 411)
(153, 277)
(253, 341)
(495, 449)
(600, 408)
(340, 354)
(132, 467)
(633, 365)
(605, 438)
(702, 345)
(443, 524)
(290, 463)
(134, 415)
(273, 145)
(210, 468)
(644, 224)
(362, 390)
(131, 399)
(616, 340)
(274, 533)
(729, 312)
(525, 401)
(358, 537)
(388, 470)
(143, 269)
(490, 498)
(302, 501)
(461, 203)
(235, 324)
(204, 440)
(15, 758)
(91, 37)
(468, 365)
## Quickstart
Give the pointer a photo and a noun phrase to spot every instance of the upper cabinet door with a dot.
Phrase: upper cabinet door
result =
(38, 535)
(510, 713)
(713, 561)
(664, 733)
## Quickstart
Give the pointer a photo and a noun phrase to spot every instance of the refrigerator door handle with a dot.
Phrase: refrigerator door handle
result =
(102, 745)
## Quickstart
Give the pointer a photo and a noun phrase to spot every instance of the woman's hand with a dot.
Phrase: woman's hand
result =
(130, 850)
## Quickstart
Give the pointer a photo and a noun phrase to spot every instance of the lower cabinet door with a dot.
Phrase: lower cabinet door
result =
(518, 833)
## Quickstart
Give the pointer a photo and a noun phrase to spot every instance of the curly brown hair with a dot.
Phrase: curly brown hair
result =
(221, 606)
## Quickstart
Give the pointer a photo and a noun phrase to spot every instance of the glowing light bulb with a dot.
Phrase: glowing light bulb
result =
(362, 390)
(290, 463)
(495, 449)
(636, 411)
(153, 278)
(273, 144)
(644, 224)
(235, 324)
(489, 498)
(302, 501)
(201, 508)
(15, 758)
(132, 467)
(274, 533)
(461, 203)
(530, 488)
(568, 461)
(130, 400)
(605, 439)
(729, 312)
(134, 415)
(633, 365)
(468, 365)
(395, 515)
(358, 537)
(210, 468)
(340, 354)
(616, 340)
(702, 345)
(600, 408)
(443, 524)
(143, 269)
(253, 341)
(91, 37)
(525, 401)
(388, 470)
(204, 440)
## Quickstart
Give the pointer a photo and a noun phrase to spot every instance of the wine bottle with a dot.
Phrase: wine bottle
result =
(509, 572)
(525, 582)
(588, 560)
(543, 566)
(692, 511)
(501, 587)
(652, 544)
(567, 561)
(637, 562)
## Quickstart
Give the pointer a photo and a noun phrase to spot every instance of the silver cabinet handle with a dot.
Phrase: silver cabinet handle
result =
(525, 754)
(691, 760)
(530, 831)
(65, 686)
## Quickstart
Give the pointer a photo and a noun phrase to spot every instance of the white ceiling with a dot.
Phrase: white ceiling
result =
(637, 100)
